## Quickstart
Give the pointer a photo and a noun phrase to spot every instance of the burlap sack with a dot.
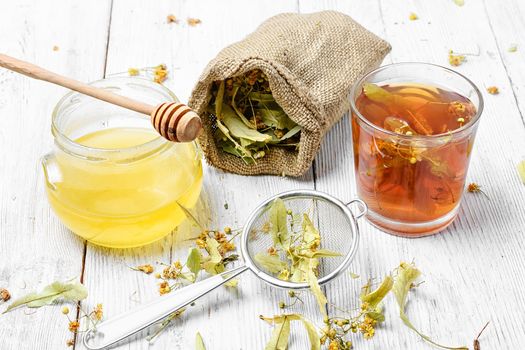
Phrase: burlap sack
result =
(311, 61)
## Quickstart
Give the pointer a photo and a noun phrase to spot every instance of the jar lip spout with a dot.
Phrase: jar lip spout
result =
(465, 129)
(71, 103)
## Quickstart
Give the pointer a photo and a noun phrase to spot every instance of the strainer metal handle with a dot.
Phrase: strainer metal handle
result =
(363, 208)
(116, 329)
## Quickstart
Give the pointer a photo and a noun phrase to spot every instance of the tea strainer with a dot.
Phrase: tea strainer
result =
(334, 220)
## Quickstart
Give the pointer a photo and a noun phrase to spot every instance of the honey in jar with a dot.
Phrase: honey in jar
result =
(111, 179)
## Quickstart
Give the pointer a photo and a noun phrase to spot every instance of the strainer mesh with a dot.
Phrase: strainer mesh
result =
(333, 222)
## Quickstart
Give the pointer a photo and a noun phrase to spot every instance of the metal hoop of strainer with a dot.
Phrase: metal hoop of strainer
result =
(335, 221)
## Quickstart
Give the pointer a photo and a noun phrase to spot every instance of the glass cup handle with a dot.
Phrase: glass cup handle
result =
(363, 208)
(51, 170)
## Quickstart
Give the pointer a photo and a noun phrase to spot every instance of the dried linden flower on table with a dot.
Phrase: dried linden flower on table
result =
(455, 60)
(133, 72)
(147, 269)
(193, 21)
(493, 90)
(4, 294)
(160, 73)
(56, 48)
(413, 16)
(171, 19)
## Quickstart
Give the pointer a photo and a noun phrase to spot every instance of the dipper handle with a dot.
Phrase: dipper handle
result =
(178, 124)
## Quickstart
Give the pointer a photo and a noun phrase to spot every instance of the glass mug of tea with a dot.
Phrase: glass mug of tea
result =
(111, 178)
(413, 129)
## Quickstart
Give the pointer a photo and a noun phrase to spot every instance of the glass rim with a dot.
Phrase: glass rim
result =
(460, 130)
(71, 146)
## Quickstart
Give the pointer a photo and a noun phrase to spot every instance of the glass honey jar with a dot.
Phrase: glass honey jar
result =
(110, 177)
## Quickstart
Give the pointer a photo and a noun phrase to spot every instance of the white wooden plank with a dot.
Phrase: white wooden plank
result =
(226, 319)
(463, 266)
(35, 248)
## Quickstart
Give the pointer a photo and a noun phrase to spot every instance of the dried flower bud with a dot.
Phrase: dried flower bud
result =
(133, 71)
(291, 294)
(73, 326)
(65, 310)
(227, 230)
(171, 18)
(493, 90)
(194, 21)
(147, 269)
(70, 342)
(282, 305)
(97, 312)
(4, 294)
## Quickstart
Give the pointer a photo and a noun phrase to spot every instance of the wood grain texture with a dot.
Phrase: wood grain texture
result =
(473, 270)
(35, 249)
(474, 263)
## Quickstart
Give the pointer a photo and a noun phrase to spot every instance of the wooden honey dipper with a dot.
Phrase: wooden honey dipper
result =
(174, 121)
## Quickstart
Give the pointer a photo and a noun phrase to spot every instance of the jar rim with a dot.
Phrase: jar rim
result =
(70, 146)
(465, 128)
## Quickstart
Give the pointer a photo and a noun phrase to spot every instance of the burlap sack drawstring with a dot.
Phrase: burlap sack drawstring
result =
(311, 61)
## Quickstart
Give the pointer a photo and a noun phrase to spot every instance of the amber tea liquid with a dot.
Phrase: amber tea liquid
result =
(413, 170)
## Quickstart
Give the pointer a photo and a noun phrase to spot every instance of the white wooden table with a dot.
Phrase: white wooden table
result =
(474, 270)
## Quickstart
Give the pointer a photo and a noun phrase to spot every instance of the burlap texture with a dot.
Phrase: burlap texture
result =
(311, 61)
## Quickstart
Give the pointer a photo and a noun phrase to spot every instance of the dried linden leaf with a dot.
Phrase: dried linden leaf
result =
(313, 336)
(407, 275)
(315, 288)
(374, 298)
(193, 262)
(280, 335)
(279, 223)
(199, 343)
(271, 263)
(70, 291)
(521, 170)
(212, 247)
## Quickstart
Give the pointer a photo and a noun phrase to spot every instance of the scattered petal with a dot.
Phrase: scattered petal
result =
(56, 48)
(513, 48)
(413, 16)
